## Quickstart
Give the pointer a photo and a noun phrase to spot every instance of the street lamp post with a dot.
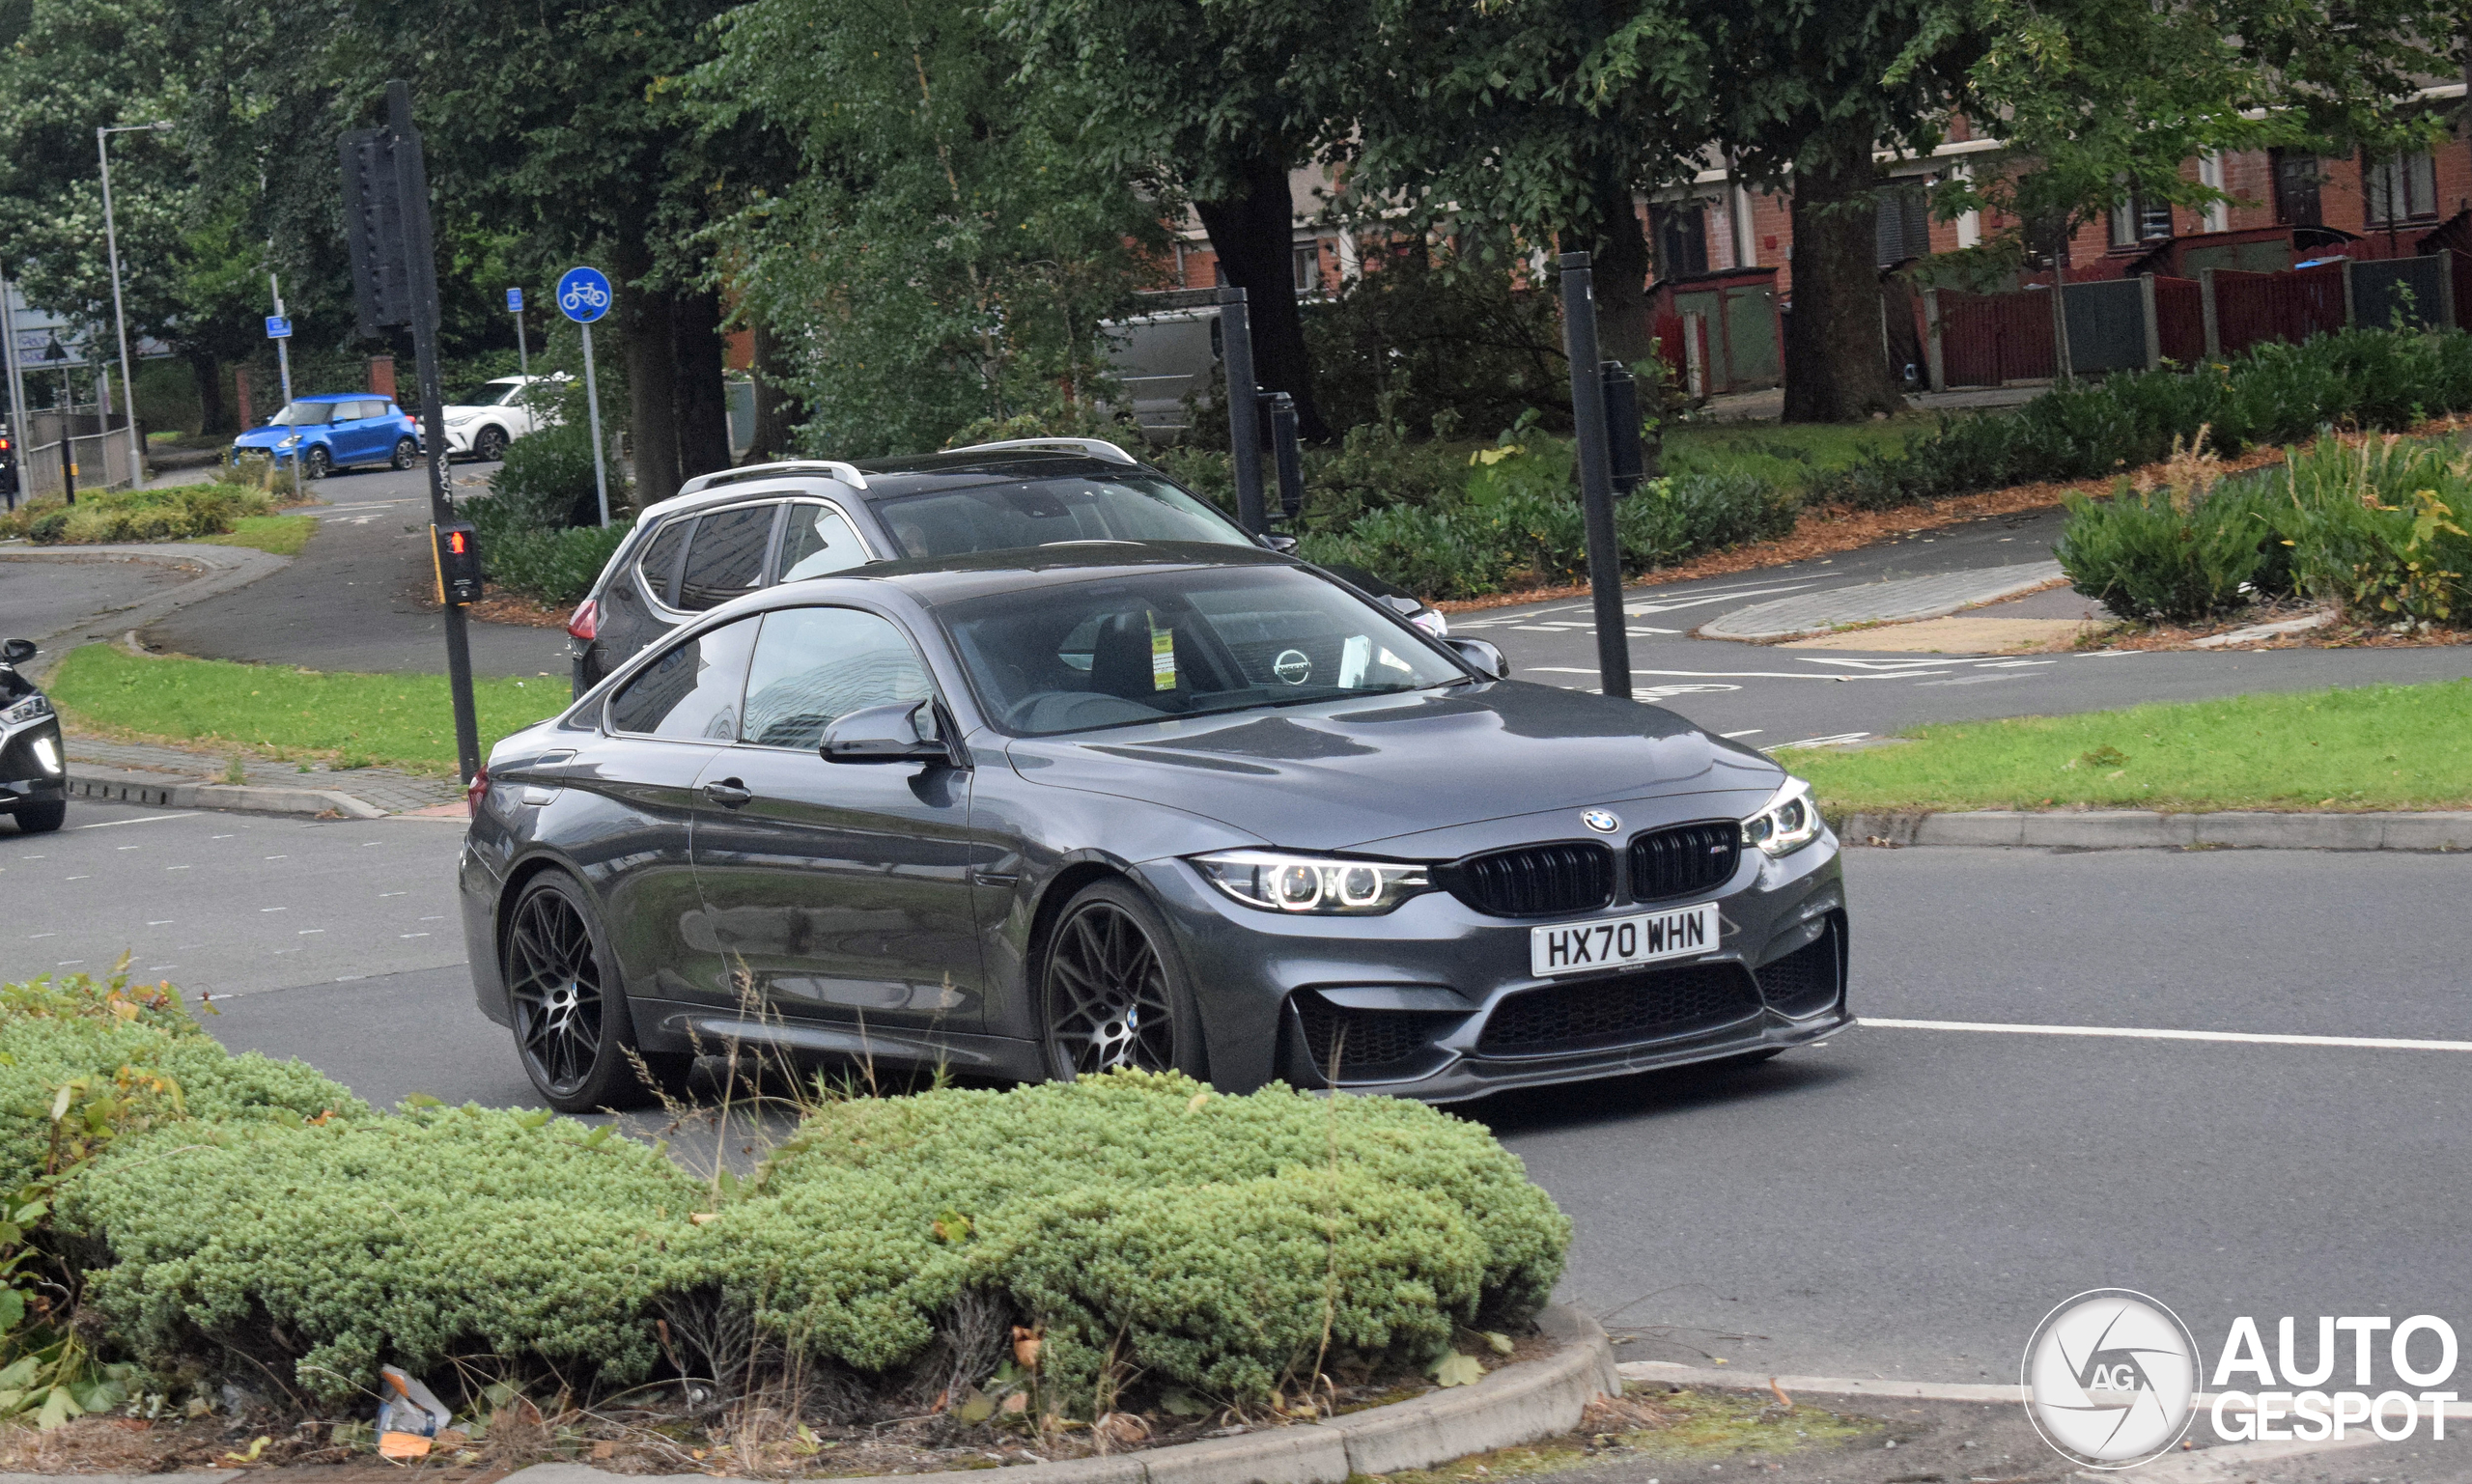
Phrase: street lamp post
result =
(120, 319)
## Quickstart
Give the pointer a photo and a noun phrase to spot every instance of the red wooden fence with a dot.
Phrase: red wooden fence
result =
(2254, 307)
(2179, 319)
(1988, 339)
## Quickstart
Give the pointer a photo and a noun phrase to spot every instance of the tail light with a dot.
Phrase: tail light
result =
(585, 622)
(476, 792)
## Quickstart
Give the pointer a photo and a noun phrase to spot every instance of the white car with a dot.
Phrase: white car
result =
(484, 428)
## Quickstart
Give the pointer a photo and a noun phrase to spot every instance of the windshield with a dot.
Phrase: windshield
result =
(1042, 512)
(1123, 651)
(507, 393)
(304, 415)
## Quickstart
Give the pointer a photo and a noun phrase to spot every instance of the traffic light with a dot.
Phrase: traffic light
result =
(458, 564)
(394, 276)
(1627, 452)
(9, 468)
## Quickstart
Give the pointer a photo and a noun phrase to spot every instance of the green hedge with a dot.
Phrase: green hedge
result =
(173, 513)
(1203, 1240)
(2275, 393)
(2379, 530)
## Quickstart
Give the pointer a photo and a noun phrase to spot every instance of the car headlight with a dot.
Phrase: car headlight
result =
(1320, 885)
(46, 754)
(1787, 822)
(290, 442)
(27, 709)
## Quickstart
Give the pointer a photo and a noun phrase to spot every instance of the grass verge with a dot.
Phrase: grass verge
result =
(1790, 455)
(281, 535)
(1652, 1423)
(2373, 747)
(397, 721)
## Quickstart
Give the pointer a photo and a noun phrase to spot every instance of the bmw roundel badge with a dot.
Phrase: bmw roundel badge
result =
(1603, 821)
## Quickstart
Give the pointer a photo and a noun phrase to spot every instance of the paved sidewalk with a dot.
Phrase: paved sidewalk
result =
(384, 788)
(1880, 603)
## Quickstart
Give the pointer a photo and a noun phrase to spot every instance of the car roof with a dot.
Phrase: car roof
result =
(935, 581)
(342, 397)
(893, 478)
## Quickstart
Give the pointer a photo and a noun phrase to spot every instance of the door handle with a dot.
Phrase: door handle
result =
(728, 793)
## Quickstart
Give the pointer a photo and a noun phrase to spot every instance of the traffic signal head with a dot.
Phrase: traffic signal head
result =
(458, 564)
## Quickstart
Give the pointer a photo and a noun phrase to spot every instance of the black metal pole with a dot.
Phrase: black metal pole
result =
(1596, 475)
(412, 181)
(1244, 409)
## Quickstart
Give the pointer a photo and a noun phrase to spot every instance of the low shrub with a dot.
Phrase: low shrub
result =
(549, 474)
(2151, 555)
(1152, 1233)
(528, 547)
(175, 513)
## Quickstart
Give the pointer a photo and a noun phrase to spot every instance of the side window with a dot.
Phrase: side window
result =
(361, 409)
(725, 558)
(813, 665)
(819, 541)
(691, 691)
(659, 567)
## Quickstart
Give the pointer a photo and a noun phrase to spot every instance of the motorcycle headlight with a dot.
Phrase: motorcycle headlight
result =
(27, 709)
(1323, 885)
(1787, 822)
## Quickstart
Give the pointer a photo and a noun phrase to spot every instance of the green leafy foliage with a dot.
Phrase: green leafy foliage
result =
(175, 513)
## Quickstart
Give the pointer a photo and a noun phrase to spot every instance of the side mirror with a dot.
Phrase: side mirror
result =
(1482, 657)
(1280, 544)
(16, 651)
(903, 732)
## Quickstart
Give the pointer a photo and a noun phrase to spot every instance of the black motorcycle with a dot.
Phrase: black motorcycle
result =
(34, 778)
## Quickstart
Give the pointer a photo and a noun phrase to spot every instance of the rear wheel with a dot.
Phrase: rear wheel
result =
(317, 464)
(491, 445)
(405, 452)
(41, 819)
(1113, 991)
(572, 1029)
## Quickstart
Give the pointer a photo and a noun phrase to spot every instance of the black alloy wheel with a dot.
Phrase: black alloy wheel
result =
(1114, 995)
(571, 1024)
(491, 445)
(317, 463)
(40, 819)
(406, 453)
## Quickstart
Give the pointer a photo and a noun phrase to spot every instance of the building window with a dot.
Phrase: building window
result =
(1679, 234)
(2295, 184)
(1902, 229)
(2401, 189)
(2138, 220)
(1309, 268)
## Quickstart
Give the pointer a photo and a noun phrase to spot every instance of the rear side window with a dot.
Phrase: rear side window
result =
(692, 692)
(659, 567)
(819, 541)
(725, 557)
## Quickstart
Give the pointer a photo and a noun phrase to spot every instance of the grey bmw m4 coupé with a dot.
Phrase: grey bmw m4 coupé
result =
(1035, 814)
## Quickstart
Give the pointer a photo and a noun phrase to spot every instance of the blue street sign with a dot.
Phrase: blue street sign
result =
(514, 301)
(278, 327)
(583, 294)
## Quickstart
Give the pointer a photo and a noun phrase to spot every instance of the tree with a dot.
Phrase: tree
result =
(945, 249)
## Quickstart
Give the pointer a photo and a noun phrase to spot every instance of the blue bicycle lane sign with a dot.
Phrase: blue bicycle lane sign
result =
(583, 294)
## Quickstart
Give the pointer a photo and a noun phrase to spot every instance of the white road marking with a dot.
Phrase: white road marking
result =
(278, 858)
(411, 935)
(221, 837)
(1837, 740)
(1754, 732)
(305, 932)
(31, 937)
(275, 909)
(147, 820)
(163, 922)
(2241, 1037)
(382, 896)
(76, 878)
(176, 868)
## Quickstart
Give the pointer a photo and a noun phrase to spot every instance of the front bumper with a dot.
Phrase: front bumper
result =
(459, 440)
(33, 769)
(1439, 1003)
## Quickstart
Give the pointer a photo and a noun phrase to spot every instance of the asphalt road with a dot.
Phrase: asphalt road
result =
(1902, 1201)
(35, 595)
(1769, 695)
(348, 602)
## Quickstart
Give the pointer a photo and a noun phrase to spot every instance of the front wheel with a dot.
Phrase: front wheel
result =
(406, 453)
(571, 1030)
(491, 445)
(41, 819)
(317, 464)
(1113, 993)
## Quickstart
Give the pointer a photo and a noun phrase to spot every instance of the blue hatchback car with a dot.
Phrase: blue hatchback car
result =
(336, 430)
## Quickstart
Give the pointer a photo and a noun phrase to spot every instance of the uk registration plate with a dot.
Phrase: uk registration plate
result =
(1616, 941)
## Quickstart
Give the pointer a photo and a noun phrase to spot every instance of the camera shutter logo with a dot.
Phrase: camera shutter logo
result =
(2111, 1379)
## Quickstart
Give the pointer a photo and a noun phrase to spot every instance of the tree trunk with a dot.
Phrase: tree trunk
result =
(1836, 366)
(703, 395)
(1618, 254)
(1254, 233)
(776, 412)
(652, 382)
(208, 372)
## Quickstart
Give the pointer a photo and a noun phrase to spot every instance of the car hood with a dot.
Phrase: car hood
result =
(268, 437)
(1343, 774)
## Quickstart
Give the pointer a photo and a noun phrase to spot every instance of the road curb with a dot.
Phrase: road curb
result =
(219, 570)
(1901, 601)
(2133, 829)
(1519, 1403)
(119, 787)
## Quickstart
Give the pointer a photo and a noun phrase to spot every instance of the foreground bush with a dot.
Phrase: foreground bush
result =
(1152, 1233)
(175, 513)
(527, 543)
(2377, 530)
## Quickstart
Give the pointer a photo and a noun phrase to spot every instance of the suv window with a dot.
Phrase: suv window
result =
(725, 557)
(814, 666)
(818, 541)
(1040, 512)
(691, 691)
(659, 565)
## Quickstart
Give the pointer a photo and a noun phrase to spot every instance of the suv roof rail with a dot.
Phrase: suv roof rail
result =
(847, 473)
(1096, 448)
